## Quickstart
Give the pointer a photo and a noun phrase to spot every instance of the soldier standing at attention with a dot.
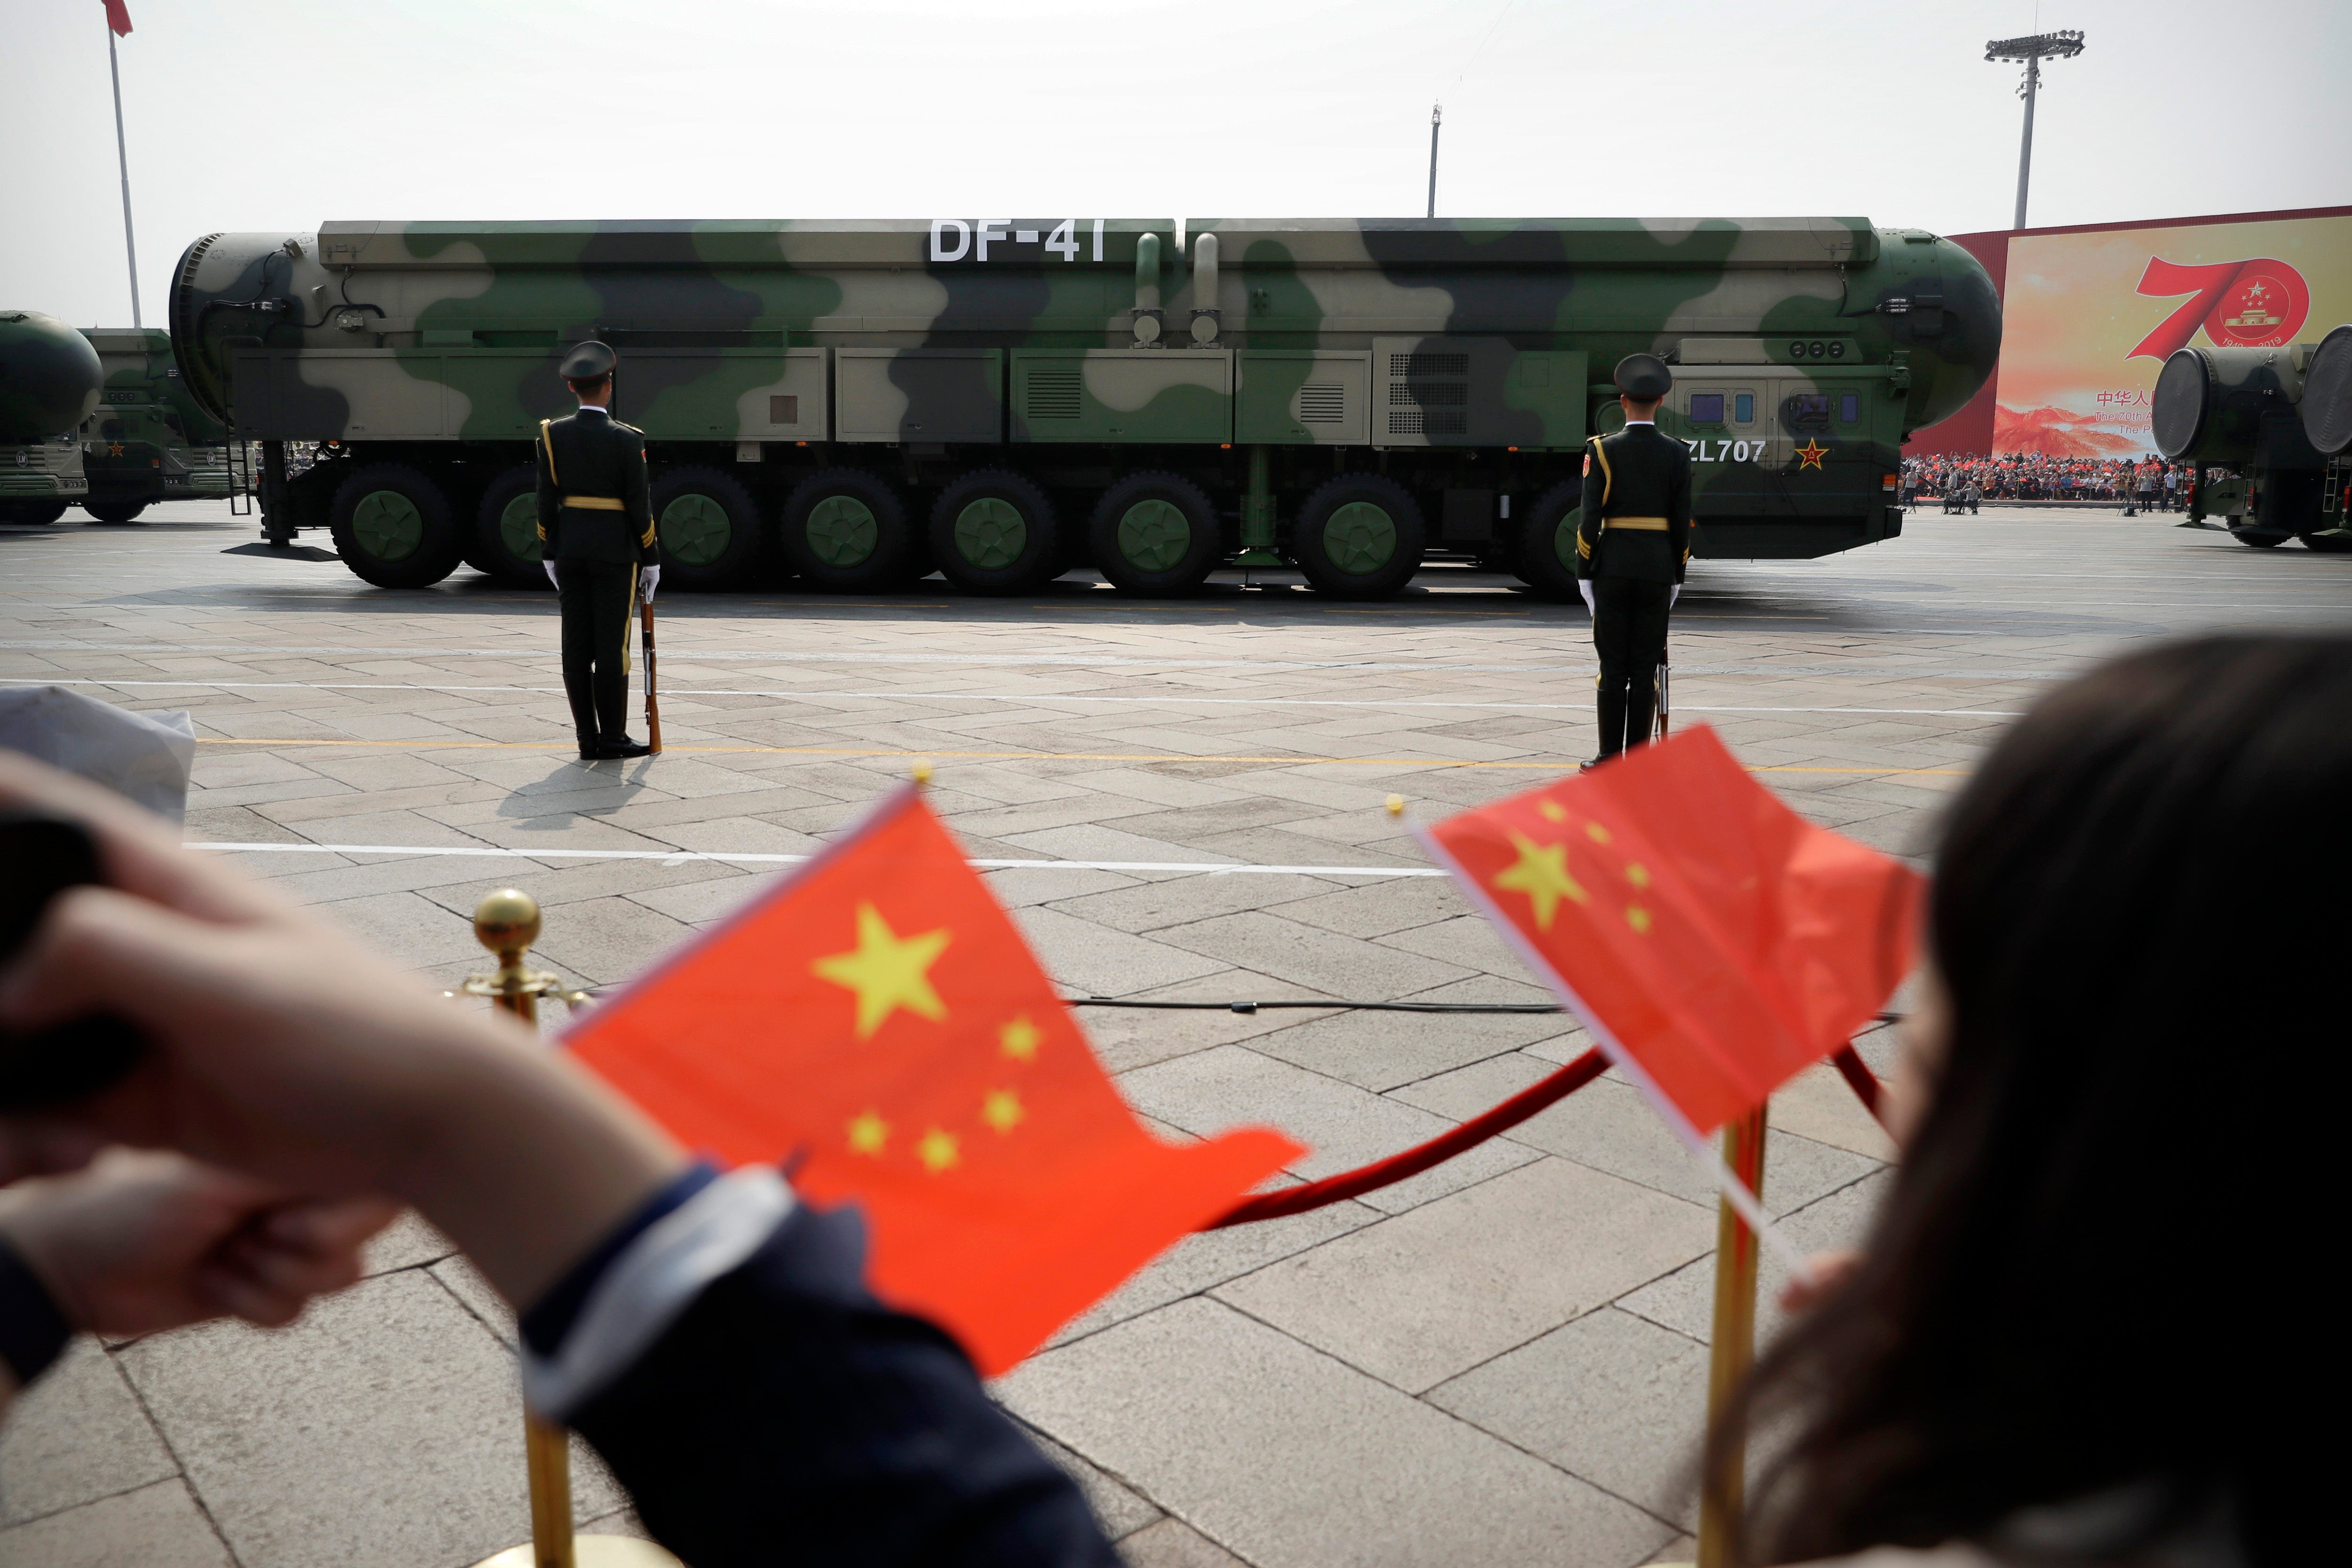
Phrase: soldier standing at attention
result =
(596, 537)
(1631, 544)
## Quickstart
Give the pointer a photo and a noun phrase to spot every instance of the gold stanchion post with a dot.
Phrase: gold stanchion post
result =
(1732, 1343)
(507, 922)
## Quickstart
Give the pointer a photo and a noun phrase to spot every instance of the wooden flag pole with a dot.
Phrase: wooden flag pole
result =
(507, 922)
(1732, 1341)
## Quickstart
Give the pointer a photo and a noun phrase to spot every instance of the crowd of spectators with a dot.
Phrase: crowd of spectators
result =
(1961, 483)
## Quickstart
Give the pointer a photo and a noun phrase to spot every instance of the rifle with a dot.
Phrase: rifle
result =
(653, 703)
(1657, 731)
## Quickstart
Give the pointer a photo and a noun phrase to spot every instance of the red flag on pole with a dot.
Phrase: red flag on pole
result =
(117, 17)
(878, 1018)
(1715, 941)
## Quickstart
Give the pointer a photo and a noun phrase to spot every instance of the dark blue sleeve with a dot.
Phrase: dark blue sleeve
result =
(32, 1331)
(787, 1415)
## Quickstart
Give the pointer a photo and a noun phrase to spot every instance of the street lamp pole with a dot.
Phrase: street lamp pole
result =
(2032, 51)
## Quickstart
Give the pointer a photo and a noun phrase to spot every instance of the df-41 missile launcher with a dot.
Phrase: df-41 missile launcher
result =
(49, 379)
(2277, 423)
(1004, 398)
(148, 439)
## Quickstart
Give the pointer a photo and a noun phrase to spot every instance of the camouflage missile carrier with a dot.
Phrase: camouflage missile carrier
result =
(49, 380)
(149, 440)
(2278, 422)
(859, 403)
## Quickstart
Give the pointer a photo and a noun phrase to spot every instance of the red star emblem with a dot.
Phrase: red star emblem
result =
(115, 450)
(1810, 454)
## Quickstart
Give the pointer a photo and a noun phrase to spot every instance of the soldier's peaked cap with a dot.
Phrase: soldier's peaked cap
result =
(588, 362)
(1643, 375)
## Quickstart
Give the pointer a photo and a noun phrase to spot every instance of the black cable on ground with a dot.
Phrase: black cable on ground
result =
(1346, 1006)
(1338, 1007)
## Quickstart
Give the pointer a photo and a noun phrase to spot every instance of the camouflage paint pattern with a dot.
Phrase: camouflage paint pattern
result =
(1459, 357)
(150, 439)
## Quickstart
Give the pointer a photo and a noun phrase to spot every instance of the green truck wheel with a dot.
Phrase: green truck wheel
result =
(993, 532)
(708, 529)
(1155, 533)
(989, 534)
(506, 529)
(845, 532)
(1359, 536)
(392, 527)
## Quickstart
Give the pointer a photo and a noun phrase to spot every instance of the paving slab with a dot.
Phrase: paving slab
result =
(1422, 1296)
(1292, 1459)
(157, 1526)
(76, 1436)
(1609, 1397)
(284, 1434)
(1684, 1300)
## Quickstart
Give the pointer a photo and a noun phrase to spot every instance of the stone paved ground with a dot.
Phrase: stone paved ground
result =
(1499, 1361)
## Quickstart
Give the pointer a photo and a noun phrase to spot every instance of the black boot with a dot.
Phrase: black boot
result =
(620, 745)
(1609, 702)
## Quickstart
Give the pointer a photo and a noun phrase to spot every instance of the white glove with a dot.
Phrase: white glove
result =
(649, 579)
(1673, 593)
(550, 575)
(1584, 586)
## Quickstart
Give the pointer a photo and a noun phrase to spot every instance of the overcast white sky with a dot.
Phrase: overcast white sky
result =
(277, 114)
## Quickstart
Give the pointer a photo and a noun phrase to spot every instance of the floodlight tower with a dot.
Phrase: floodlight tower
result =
(1436, 113)
(2033, 50)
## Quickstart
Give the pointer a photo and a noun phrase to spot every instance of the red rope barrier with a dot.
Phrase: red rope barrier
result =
(1412, 1162)
(1536, 1097)
(1858, 1078)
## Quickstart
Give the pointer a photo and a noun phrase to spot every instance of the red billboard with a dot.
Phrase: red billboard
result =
(2089, 313)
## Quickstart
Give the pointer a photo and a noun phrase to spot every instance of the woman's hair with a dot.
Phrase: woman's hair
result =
(2087, 1271)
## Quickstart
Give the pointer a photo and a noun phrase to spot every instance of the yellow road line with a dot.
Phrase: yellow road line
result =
(1555, 766)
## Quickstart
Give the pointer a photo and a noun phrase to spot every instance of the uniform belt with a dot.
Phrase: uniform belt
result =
(1639, 524)
(613, 503)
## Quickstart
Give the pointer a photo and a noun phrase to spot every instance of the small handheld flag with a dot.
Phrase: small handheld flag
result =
(878, 1019)
(1714, 942)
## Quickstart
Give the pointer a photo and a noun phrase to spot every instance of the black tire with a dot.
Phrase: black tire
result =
(1155, 534)
(2328, 543)
(1545, 547)
(845, 532)
(993, 532)
(506, 530)
(33, 513)
(1360, 536)
(2260, 541)
(708, 527)
(114, 511)
(394, 527)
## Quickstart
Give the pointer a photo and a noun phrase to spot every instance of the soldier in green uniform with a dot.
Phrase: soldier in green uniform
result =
(1631, 544)
(596, 537)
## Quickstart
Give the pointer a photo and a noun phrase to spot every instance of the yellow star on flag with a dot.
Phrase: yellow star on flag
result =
(937, 1150)
(1002, 1110)
(1019, 1038)
(1542, 874)
(886, 971)
(867, 1134)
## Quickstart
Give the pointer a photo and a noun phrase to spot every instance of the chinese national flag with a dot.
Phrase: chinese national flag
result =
(117, 17)
(1707, 931)
(879, 1018)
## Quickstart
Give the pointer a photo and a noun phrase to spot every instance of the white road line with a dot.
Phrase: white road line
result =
(537, 652)
(682, 857)
(1168, 701)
